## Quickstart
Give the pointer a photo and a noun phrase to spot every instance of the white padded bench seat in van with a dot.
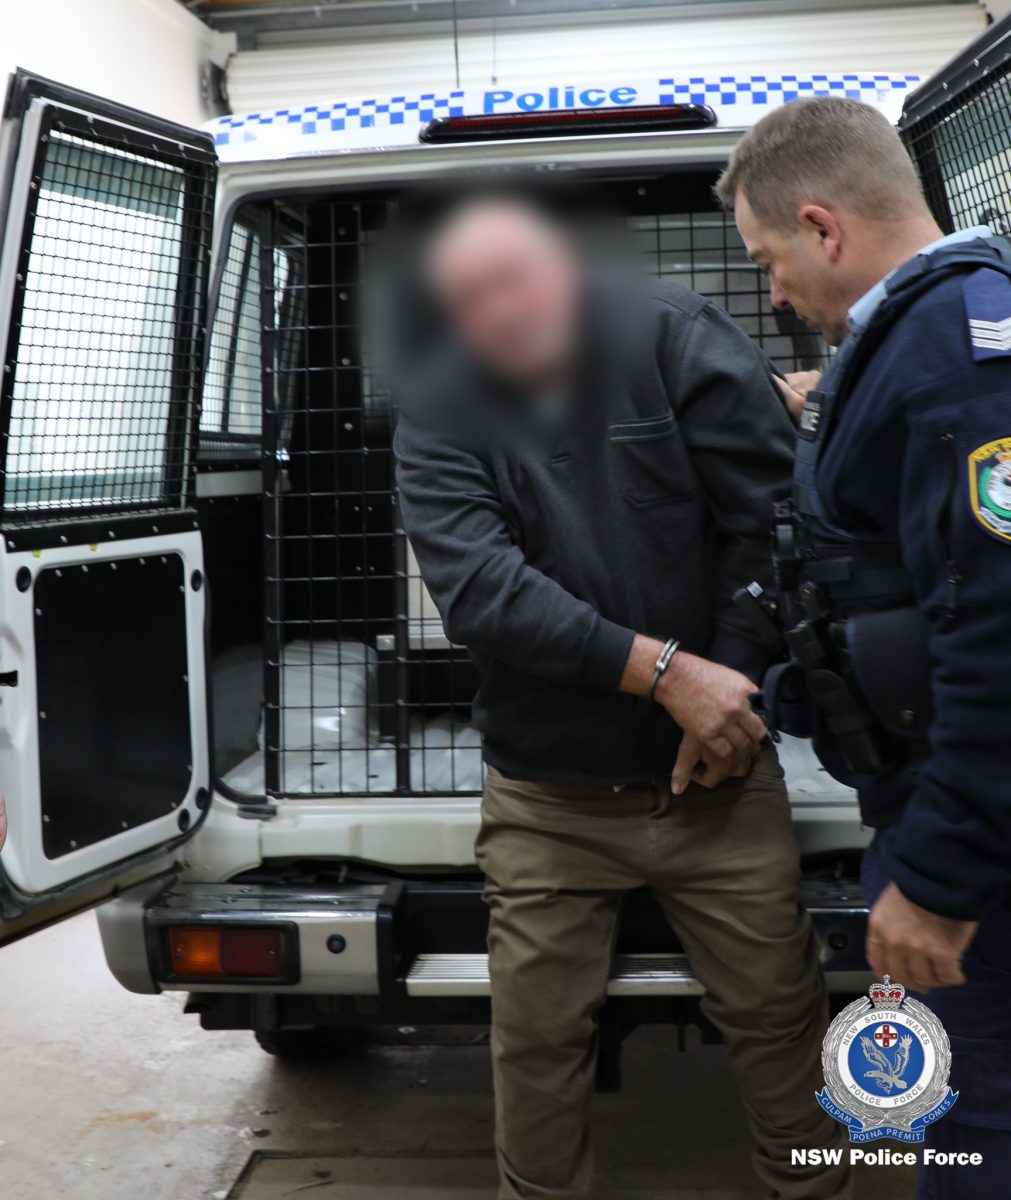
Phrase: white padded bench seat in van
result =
(330, 732)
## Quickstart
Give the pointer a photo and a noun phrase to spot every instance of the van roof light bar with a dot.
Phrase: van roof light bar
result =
(569, 122)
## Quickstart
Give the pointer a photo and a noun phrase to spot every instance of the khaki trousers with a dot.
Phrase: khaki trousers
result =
(723, 865)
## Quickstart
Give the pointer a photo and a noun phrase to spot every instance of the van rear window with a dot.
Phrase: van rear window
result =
(232, 399)
(101, 360)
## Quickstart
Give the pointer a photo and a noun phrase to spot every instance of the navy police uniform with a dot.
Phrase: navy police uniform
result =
(902, 504)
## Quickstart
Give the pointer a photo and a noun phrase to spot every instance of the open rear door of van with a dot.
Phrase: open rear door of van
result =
(104, 747)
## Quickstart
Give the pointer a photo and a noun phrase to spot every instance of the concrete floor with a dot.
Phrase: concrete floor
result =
(109, 1096)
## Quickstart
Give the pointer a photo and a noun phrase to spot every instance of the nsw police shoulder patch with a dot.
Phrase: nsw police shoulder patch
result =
(987, 295)
(990, 487)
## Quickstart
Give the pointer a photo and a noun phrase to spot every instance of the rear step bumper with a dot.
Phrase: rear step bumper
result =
(404, 942)
(631, 975)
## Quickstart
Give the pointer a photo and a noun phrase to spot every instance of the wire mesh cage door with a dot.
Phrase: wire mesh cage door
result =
(960, 141)
(104, 358)
(104, 267)
(352, 704)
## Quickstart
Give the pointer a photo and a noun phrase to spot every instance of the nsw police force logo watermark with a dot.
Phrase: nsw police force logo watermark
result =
(886, 1062)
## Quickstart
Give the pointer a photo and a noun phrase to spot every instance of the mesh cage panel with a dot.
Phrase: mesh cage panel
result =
(362, 691)
(962, 147)
(703, 251)
(230, 417)
(230, 413)
(103, 359)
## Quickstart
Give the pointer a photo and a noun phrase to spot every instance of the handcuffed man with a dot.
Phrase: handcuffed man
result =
(586, 474)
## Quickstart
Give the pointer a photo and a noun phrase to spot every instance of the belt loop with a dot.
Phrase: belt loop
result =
(662, 796)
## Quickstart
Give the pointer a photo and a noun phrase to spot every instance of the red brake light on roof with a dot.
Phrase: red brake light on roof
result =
(568, 122)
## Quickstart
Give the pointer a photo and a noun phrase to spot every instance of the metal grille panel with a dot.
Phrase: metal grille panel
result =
(230, 418)
(363, 693)
(962, 147)
(104, 353)
(230, 412)
(703, 251)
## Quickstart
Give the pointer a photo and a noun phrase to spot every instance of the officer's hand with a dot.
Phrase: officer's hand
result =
(711, 704)
(917, 948)
(795, 388)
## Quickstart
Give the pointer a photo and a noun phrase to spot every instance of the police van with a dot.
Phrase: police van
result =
(228, 709)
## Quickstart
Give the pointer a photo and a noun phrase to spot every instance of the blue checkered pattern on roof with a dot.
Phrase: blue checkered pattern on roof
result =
(331, 118)
(773, 89)
(302, 129)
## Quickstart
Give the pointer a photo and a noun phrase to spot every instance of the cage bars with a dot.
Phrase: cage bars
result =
(363, 693)
(960, 140)
(105, 349)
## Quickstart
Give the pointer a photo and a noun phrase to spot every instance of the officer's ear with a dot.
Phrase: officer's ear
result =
(823, 226)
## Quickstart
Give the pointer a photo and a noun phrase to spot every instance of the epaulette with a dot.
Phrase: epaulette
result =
(988, 310)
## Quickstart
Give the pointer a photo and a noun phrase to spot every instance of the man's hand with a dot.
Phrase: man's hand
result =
(711, 704)
(795, 388)
(696, 764)
(917, 948)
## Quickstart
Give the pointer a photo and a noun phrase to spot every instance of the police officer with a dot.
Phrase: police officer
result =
(895, 571)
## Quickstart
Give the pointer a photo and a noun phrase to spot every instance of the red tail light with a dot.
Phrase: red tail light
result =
(223, 952)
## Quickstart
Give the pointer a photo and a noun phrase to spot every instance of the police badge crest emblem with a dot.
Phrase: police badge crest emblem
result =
(886, 1060)
(990, 487)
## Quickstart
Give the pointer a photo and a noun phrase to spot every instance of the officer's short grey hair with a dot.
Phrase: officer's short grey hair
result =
(825, 150)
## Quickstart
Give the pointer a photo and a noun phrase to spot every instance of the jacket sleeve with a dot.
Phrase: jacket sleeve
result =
(951, 852)
(741, 441)
(490, 599)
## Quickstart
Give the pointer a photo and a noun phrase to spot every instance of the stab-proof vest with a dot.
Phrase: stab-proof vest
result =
(853, 586)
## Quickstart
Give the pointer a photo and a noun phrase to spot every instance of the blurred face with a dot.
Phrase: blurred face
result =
(803, 267)
(511, 287)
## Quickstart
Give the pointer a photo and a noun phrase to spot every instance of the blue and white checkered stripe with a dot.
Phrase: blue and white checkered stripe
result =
(777, 89)
(373, 122)
(323, 119)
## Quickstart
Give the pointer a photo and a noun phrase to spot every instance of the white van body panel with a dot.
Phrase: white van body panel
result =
(25, 862)
(432, 832)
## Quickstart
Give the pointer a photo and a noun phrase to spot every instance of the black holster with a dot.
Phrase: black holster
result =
(866, 702)
(889, 658)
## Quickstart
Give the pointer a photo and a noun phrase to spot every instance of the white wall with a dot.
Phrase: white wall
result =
(622, 45)
(146, 53)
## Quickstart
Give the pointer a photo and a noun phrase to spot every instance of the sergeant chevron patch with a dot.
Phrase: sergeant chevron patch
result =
(993, 335)
(988, 309)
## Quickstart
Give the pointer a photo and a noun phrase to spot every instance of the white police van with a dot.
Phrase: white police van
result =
(227, 704)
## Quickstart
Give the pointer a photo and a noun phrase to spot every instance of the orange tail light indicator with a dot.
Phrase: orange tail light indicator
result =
(225, 952)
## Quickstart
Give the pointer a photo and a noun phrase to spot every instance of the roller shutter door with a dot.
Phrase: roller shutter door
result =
(905, 38)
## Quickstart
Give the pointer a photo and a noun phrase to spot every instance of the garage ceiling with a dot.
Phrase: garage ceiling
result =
(256, 21)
